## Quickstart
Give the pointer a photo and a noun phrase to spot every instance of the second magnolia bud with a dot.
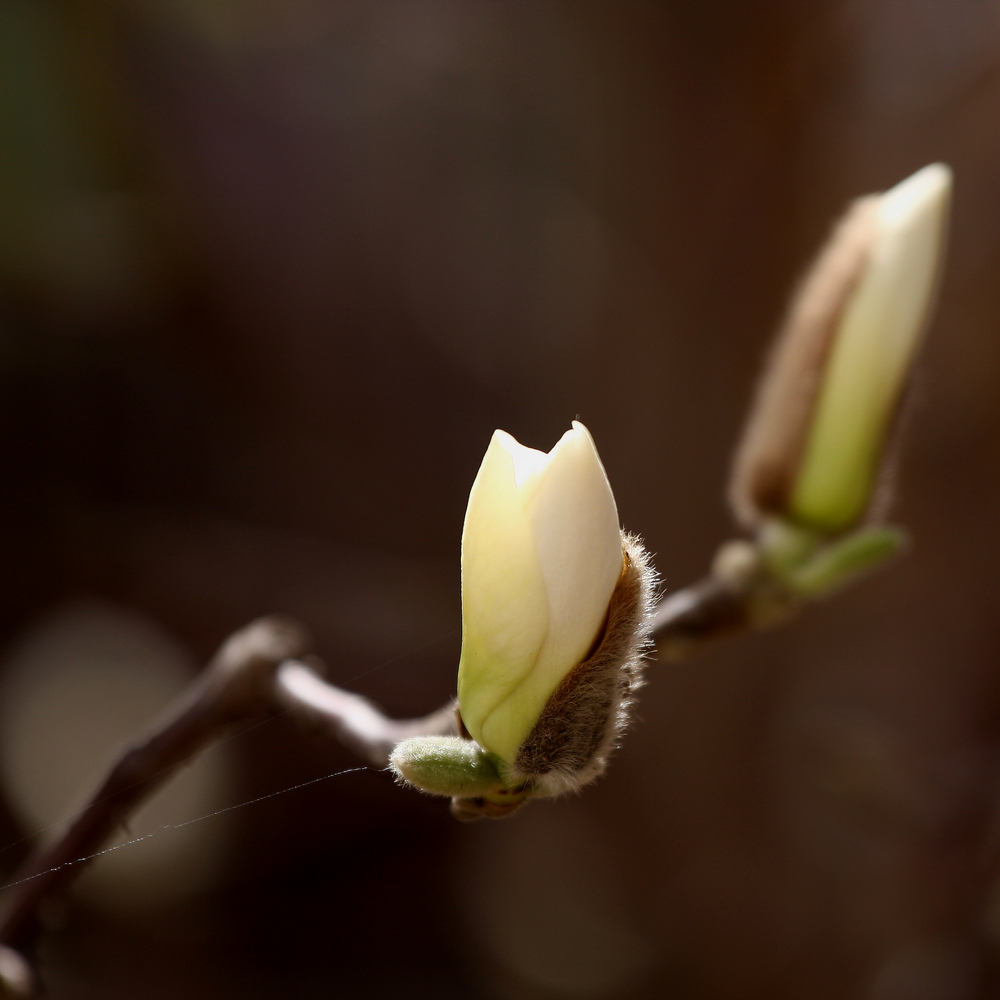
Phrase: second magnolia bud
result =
(813, 448)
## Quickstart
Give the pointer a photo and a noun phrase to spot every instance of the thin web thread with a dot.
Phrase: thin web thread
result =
(179, 826)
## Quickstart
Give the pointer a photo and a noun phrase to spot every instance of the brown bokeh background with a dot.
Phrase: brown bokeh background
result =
(271, 272)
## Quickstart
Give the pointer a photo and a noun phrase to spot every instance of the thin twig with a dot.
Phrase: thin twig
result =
(354, 720)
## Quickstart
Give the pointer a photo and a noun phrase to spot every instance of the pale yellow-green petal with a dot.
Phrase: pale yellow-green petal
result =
(504, 607)
(878, 337)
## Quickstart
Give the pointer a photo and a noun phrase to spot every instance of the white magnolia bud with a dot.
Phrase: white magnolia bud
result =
(541, 557)
(814, 447)
(556, 610)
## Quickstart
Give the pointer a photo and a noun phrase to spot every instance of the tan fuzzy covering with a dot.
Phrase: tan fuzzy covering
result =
(583, 720)
(770, 453)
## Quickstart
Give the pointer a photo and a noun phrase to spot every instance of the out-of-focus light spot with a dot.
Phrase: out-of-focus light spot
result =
(540, 897)
(77, 686)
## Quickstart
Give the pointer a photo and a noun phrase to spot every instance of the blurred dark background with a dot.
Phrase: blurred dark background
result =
(272, 271)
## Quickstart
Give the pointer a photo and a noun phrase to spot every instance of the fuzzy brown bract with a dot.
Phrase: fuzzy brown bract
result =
(580, 726)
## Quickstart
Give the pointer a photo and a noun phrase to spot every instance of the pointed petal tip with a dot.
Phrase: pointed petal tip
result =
(928, 189)
(580, 434)
(526, 461)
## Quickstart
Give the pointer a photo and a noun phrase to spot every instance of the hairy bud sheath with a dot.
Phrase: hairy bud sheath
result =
(581, 722)
(814, 445)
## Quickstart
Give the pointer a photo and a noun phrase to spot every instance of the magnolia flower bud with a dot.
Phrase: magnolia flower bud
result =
(814, 445)
(555, 608)
(541, 556)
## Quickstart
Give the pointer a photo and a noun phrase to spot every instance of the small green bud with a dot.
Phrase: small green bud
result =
(446, 765)
(459, 768)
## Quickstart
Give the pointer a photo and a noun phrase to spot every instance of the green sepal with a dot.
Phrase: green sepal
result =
(842, 561)
(446, 765)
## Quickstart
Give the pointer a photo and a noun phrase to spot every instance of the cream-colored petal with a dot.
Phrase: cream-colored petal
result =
(879, 334)
(575, 524)
(528, 463)
(504, 606)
